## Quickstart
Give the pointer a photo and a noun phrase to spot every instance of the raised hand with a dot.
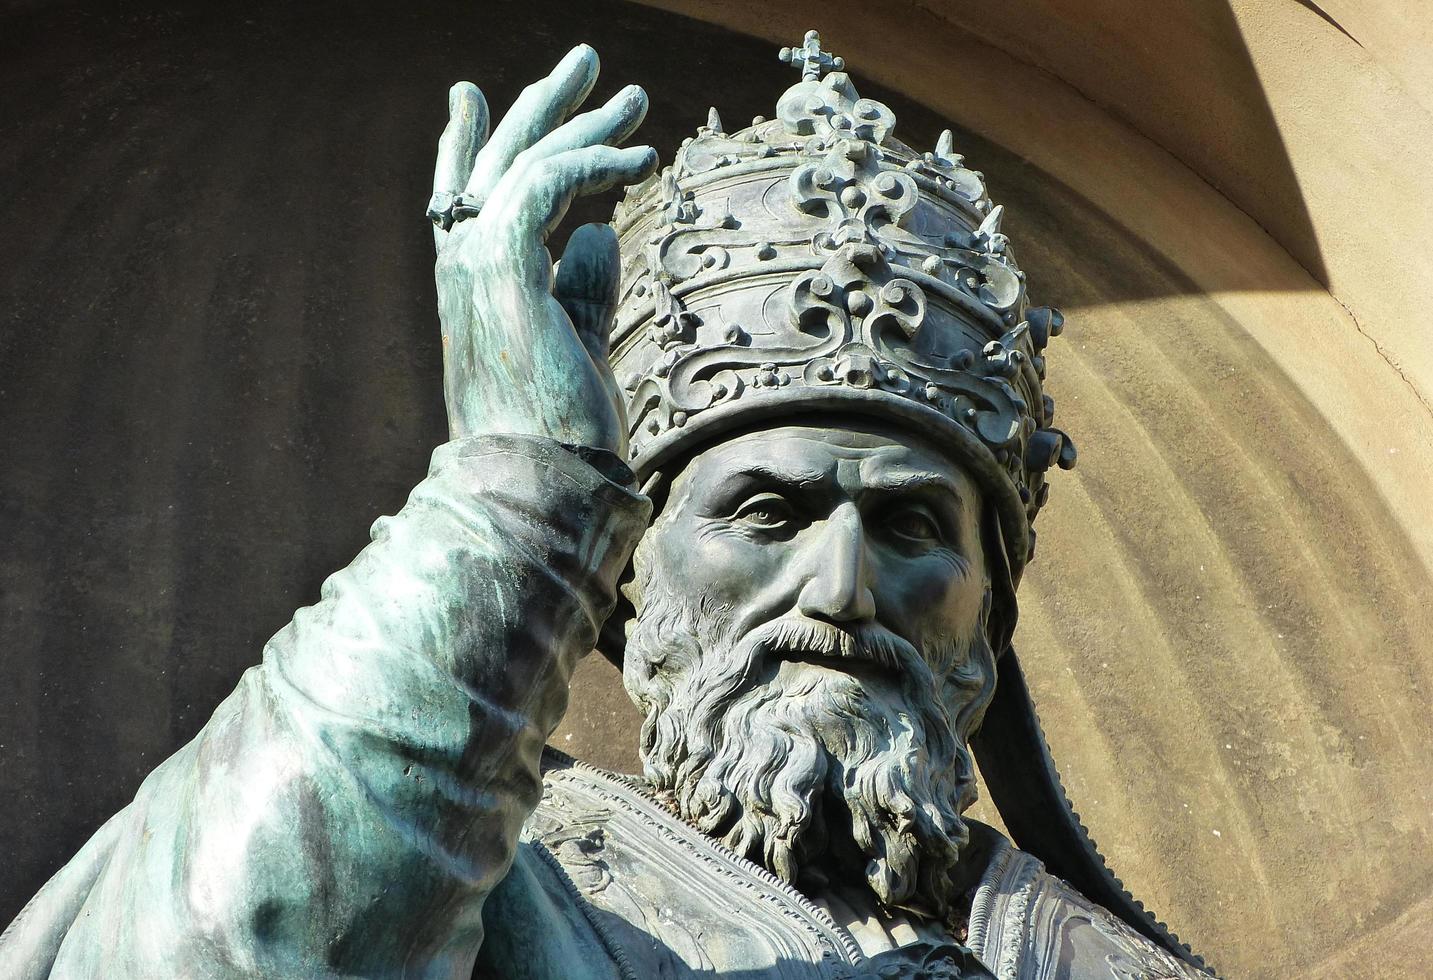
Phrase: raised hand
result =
(523, 351)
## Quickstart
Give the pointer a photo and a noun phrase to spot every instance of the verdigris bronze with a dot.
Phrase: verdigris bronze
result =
(826, 376)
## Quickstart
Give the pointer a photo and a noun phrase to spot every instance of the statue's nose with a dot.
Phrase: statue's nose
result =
(837, 585)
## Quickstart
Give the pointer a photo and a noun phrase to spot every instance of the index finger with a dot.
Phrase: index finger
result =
(457, 148)
(540, 108)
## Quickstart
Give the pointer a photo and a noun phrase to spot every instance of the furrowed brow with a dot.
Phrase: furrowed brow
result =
(756, 474)
(915, 483)
(772, 474)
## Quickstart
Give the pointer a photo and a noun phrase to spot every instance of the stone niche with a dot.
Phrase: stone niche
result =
(221, 364)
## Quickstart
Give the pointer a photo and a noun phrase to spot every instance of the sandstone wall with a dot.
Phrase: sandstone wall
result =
(1227, 626)
(219, 362)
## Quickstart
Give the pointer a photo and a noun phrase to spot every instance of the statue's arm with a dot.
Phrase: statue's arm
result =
(346, 810)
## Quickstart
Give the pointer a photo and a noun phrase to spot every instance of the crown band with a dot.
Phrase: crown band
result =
(813, 263)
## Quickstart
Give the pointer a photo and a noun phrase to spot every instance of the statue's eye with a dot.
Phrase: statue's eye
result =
(913, 524)
(765, 511)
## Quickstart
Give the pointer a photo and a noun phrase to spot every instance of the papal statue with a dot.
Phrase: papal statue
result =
(773, 441)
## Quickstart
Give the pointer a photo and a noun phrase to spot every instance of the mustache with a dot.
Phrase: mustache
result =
(800, 638)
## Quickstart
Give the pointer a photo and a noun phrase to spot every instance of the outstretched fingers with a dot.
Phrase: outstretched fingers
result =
(458, 147)
(543, 192)
(611, 124)
(540, 108)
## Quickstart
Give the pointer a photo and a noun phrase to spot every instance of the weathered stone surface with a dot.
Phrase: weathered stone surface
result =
(272, 485)
(818, 612)
(1264, 503)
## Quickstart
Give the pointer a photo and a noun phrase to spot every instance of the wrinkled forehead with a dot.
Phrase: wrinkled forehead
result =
(848, 459)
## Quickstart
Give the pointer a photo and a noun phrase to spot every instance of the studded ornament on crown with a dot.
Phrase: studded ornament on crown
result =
(813, 263)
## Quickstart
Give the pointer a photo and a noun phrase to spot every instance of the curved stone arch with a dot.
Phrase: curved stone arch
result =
(162, 222)
(1253, 387)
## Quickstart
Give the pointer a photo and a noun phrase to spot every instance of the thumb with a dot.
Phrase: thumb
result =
(586, 285)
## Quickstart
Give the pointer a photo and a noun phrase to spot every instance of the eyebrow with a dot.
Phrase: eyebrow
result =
(761, 471)
(916, 483)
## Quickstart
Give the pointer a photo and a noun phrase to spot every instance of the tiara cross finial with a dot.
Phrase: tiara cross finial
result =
(812, 60)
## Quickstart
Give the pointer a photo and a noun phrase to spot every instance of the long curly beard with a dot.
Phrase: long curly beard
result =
(855, 766)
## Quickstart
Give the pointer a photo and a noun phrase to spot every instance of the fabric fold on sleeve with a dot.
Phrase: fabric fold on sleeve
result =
(347, 809)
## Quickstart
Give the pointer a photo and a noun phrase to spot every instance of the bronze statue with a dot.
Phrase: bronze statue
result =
(825, 382)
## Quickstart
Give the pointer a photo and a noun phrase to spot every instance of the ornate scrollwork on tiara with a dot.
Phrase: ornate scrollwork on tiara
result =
(815, 253)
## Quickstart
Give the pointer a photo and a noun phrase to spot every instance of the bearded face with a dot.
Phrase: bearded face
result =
(811, 656)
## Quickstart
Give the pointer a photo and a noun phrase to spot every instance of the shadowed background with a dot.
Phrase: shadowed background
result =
(219, 363)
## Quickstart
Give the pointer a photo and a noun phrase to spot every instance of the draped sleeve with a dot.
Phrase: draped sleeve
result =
(348, 808)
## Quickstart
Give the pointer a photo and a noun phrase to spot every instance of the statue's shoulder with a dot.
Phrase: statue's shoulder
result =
(1027, 924)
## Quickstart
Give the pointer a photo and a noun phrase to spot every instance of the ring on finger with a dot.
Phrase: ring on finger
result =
(445, 209)
(465, 207)
(440, 209)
